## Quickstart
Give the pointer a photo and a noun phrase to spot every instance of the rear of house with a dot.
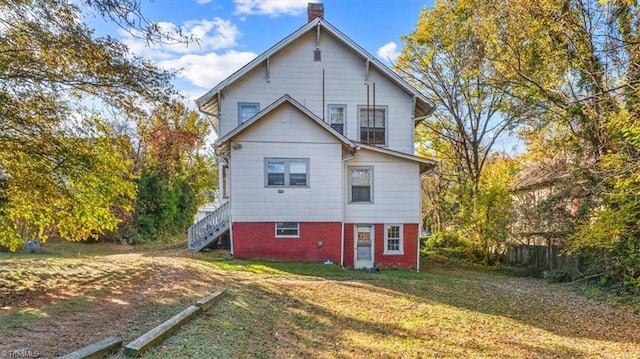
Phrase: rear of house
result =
(317, 156)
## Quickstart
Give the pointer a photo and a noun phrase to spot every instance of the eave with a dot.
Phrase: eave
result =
(208, 103)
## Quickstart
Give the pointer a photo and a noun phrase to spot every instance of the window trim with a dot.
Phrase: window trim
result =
(225, 181)
(287, 169)
(385, 108)
(399, 251)
(344, 119)
(371, 184)
(241, 104)
(297, 235)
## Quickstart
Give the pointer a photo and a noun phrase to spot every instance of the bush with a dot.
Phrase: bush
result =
(556, 276)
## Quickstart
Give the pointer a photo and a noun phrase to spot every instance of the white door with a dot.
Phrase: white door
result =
(364, 246)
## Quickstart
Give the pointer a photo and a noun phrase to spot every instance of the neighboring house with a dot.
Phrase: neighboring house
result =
(544, 207)
(543, 203)
(316, 153)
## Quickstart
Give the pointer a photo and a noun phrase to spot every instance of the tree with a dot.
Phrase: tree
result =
(175, 175)
(446, 58)
(577, 63)
(63, 167)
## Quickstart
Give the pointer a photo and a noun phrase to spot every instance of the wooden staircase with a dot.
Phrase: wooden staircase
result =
(209, 229)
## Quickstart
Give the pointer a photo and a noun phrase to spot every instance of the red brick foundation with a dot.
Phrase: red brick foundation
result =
(407, 260)
(317, 242)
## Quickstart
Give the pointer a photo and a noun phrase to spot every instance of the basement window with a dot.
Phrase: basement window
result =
(287, 229)
(393, 243)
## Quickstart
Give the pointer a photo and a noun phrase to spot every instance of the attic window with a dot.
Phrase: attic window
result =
(317, 55)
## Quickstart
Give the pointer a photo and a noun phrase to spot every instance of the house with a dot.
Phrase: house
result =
(545, 203)
(316, 146)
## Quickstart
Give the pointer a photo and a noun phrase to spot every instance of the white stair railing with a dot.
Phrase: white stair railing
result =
(209, 228)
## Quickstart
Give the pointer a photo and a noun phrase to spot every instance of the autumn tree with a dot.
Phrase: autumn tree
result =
(577, 63)
(63, 165)
(176, 173)
(447, 60)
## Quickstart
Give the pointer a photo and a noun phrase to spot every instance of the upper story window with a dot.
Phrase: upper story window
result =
(337, 117)
(373, 125)
(360, 184)
(246, 110)
(286, 172)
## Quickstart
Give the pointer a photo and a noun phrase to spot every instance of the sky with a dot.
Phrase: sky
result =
(233, 32)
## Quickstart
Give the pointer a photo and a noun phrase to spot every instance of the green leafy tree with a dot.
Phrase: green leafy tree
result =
(63, 168)
(576, 63)
(446, 58)
(176, 173)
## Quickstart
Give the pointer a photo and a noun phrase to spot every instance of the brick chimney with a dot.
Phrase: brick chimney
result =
(314, 11)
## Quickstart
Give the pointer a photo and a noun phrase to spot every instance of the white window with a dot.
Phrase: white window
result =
(287, 229)
(361, 184)
(373, 125)
(393, 239)
(337, 117)
(286, 172)
(225, 181)
(246, 110)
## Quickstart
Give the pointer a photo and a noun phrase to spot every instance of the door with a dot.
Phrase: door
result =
(364, 246)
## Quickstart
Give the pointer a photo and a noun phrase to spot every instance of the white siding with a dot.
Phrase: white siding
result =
(396, 190)
(293, 72)
(286, 133)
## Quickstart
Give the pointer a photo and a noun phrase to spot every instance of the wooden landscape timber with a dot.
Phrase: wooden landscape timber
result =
(164, 330)
(96, 350)
(206, 302)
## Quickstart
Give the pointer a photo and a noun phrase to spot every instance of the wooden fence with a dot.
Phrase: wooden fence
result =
(539, 257)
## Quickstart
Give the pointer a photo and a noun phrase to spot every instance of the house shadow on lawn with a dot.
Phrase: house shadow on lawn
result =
(274, 319)
(487, 299)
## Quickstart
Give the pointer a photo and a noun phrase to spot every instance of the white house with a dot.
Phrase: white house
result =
(316, 146)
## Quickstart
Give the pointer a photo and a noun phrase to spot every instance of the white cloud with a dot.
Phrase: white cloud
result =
(210, 34)
(202, 2)
(272, 8)
(209, 69)
(388, 53)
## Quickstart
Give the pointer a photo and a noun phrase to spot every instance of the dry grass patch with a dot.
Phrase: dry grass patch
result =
(58, 302)
(399, 314)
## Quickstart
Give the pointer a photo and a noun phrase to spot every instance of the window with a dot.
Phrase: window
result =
(246, 110)
(287, 229)
(225, 181)
(286, 172)
(337, 117)
(373, 124)
(393, 239)
(361, 184)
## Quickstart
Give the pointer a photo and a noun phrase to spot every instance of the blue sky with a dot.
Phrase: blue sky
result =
(232, 32)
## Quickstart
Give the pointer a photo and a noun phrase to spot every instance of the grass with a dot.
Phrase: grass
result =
(287, 310)
(281, 310)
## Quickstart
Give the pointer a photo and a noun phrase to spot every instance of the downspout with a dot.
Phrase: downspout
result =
(418, 251)
(342, 196)
(217, 116)
(228, 160)
(419, 220)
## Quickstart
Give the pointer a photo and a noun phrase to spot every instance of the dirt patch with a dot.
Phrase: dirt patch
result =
(52, 307)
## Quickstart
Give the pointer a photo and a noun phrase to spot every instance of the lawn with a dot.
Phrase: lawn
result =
(56, 302)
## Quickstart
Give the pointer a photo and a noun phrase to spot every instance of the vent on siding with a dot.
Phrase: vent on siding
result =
(317, 55)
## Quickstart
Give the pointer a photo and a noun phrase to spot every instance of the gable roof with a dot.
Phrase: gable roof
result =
(208, 102)
(540, 175)
(425, 164)
(222, 144)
